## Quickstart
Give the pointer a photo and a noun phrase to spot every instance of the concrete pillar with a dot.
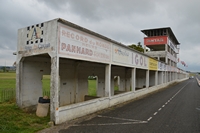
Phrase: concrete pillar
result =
(147, 78)
(54, 94)
(118, 82)
(162, 80)
(166, 50)
(170, 76)
(127, 80)
(176, 77)
(19, 68)
(166, 47)
(108, 80)
(76, 82)
(144, 48)
(156, 78)
(164, 77)
(133, 75)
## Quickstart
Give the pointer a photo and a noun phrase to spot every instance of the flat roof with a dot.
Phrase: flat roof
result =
(96, 34)
(168, 30)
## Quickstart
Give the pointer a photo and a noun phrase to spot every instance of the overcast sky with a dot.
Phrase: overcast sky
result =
(120, 20)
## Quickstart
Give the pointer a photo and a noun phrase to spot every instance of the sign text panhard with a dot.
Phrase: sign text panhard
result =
(78, 44)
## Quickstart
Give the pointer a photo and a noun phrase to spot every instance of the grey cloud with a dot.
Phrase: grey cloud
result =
(96, 10)
(116, 19)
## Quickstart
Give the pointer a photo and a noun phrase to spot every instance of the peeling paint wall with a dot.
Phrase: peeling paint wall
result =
(33, 68)
(152, 78)
(70, 54)
(140, 78)
(160, 77)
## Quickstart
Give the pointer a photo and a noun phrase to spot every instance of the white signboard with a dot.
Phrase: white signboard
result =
(121, 55)
(140, 60)
(80, 45)
(161, 66)
(125, 56)
(172, 46)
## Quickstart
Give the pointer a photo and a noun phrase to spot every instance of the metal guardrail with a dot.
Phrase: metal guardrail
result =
(9, 94)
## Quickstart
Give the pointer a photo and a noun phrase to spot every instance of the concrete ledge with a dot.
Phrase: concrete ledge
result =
(87, 97)
(198, 81)
(77, 110)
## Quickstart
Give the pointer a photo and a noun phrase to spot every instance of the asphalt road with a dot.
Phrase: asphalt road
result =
(173, 110)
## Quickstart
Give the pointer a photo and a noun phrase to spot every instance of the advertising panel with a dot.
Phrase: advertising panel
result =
(127, 57)
(153, 64)
(121, 55)
(161, 66)
(81, 45)
(139, 60)
(155, 40)
(32, 40)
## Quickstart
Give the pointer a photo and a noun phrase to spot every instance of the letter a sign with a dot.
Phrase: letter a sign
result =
(34, 33)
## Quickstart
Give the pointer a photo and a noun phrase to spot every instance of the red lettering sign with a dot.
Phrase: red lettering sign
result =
(155, 40)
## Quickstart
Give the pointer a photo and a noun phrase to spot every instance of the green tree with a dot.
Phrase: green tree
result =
(4, 69)
(137, 47)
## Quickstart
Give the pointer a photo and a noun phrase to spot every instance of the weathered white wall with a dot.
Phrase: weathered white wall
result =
(70, 112)
(124, 75)
(160, 77)
(67, 82)
(140, 80)
(152, 78)
(74, 80)
(31, 79)
(70, 54)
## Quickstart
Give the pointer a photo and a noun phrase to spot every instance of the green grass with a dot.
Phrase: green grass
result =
(7, 80)
(14, 120)
(92, 88)
(46, 82)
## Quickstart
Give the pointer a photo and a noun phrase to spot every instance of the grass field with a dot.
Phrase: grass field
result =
(92, 88)
(7, 80)
(14, 120)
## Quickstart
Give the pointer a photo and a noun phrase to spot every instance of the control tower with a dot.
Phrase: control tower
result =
(161, 43)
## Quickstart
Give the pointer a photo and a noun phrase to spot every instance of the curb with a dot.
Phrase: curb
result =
(198, 81)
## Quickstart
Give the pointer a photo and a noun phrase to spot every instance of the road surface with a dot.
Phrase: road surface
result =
(172, 110)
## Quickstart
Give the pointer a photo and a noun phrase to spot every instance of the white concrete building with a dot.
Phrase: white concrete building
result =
(70, 54)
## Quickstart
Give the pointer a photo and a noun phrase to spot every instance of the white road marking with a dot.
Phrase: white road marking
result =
(107, 124)
(168, 102)
(110, 124)
(131, 121)
(149, 119)
(119, 118)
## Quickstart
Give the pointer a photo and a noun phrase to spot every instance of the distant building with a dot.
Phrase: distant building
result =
(70, 54)
(163, 46)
